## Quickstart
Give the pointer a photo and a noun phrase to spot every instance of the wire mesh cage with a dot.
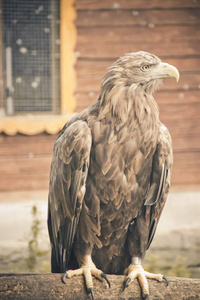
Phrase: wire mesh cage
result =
(31, 44)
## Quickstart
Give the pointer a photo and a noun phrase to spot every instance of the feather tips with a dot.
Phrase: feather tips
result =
(67, 180)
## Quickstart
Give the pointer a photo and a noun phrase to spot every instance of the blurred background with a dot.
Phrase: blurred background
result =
(53, 56)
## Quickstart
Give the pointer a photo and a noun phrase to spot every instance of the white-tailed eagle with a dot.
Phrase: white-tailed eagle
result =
(110, 176)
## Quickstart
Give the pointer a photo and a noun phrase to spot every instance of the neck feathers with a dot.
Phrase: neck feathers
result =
(126, 103)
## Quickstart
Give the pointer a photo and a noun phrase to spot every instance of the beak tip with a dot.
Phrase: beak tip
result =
(170, 71)
(177, 75)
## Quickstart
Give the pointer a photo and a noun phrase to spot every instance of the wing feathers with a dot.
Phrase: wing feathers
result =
(156, 188)
(67, 189)
(160, 180)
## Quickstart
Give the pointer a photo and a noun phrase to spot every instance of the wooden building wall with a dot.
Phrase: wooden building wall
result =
(170, 29)
(106, 30)
(25, 161)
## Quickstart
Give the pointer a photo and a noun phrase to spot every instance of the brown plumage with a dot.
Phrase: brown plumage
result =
(110, 172)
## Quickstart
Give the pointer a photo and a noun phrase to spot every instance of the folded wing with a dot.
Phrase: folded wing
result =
(68, 176)
(160, 179)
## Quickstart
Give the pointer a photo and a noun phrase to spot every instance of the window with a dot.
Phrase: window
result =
(37, 76)
(31, 39)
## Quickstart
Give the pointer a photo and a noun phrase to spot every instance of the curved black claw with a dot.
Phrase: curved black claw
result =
(64, 276)
(90, 290)
(126, 283)
(166, 280)
(146, 297)
(103, 275)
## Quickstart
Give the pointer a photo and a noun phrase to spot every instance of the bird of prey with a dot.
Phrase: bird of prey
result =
(110, 177)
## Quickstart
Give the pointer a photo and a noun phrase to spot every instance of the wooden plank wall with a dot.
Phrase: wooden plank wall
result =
(25, 161)
(106, 30)
(170, 29)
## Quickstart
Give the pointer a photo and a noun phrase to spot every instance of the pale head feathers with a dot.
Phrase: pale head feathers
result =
(125, 79)
(129, 69)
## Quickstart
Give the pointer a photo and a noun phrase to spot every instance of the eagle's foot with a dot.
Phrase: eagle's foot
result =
(137, 271)
(88, 270)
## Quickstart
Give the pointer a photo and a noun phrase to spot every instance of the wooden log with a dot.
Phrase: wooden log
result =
(50, 286)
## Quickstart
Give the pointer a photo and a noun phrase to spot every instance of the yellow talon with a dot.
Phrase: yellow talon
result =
(136, 271)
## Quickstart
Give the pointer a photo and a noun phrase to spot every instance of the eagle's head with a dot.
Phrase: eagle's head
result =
(140, 69)
(137, 73)
(143, 67)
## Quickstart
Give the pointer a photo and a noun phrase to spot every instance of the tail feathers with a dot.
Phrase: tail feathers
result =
(70, 264)
(55, 266)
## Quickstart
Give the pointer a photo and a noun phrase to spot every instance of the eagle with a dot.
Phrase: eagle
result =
(110, 177)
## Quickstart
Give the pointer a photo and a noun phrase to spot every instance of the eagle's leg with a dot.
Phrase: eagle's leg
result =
(87, 269)
(135, 270)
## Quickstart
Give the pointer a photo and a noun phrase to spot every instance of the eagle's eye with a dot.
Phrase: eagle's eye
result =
(145, 67)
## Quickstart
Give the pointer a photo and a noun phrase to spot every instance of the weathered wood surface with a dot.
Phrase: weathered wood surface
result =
(124, 36)
(21, 145)
(25, 181)
(49, 286)
(137, 17)
(170, 29)
(136, 4)
(110, 50)
(106, 30)
(25, 161)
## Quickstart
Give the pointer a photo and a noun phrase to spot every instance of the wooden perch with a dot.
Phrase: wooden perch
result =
(49, 286)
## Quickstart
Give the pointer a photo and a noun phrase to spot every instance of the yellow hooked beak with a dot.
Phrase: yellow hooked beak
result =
(165, 70)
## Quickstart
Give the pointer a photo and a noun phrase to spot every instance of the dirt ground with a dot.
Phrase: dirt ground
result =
(24, 244)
